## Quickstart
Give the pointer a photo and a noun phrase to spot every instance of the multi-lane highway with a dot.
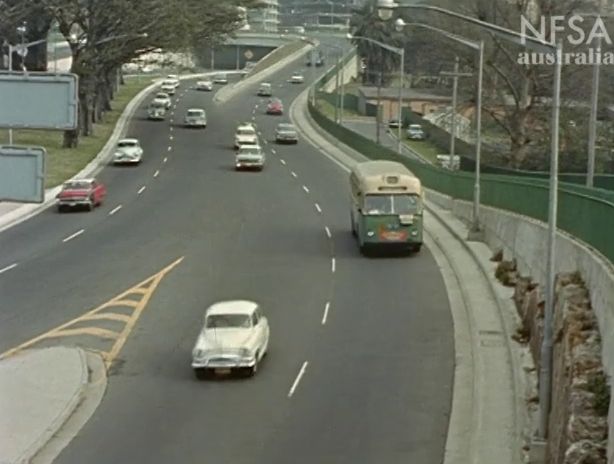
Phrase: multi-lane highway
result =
(360, 363)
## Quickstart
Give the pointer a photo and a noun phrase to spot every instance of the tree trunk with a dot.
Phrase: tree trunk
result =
(71, 139)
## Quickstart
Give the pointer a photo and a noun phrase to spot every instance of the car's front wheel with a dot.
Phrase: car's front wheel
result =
(201, 374)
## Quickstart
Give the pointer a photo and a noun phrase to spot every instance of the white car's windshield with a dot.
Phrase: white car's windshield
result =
(227, 321)
(285, 128)
(162, 96)
(250, 151)
(195, 113)
(126, 144)
(391, 204)
(246, 132)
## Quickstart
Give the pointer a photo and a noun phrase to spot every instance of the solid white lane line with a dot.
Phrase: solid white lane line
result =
(282, 161)
(8, 268)
(325, 316)
(294, 174)
(141, 190)
(333, 265)
(165, 159)
(305, 189)
(76, 234)
(115, 210)
(328, 232)
(298, 379)
(318, 208)
(157, 173)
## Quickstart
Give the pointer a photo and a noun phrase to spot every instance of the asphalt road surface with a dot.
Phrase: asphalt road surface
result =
(360, 363)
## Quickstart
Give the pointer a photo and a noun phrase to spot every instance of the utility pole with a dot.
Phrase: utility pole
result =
(592, 122)
(455, 74)
(378, 115)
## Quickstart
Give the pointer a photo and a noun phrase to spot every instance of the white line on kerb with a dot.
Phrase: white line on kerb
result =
(332, 265)
(326, 308)
(115, 210)
(294, 174)
(328, 232)
(165, 159)
(305, 189)
(141, 190)
(298, 379)
(282, 161)
(318, 208)
(157, 173)
(8, 268)
(76, 234)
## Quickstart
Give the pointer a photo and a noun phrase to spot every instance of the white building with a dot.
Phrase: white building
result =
(265, 18)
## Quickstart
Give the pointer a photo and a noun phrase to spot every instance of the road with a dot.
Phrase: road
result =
(361, 357)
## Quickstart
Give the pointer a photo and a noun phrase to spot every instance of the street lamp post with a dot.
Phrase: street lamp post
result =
(401, 53)
(385, 10)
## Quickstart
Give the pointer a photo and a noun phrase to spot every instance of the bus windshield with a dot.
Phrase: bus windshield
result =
(391, 204)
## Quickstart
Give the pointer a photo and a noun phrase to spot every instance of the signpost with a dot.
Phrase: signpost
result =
(22, 173)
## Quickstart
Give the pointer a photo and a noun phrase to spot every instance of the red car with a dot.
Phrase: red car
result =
(275, 107)
(81, 192)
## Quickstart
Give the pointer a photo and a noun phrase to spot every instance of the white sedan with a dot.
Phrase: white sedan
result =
(234, 337)
(162, 99)
(297, 78)
(204, 85)
(128, 151)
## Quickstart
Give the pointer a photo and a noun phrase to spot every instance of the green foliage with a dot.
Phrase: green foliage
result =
(598, 385)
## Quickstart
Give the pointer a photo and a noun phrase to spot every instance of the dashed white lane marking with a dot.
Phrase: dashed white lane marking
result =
(253, 118)
(141, 190)
(333, 265)
(260, 133)
(8, 268)
(305, 189)
(170, 137)
(273, 151)
(170, 148)
(157, 173)
(171, 128)
(328, 232)
(266, 142)
(325, 316)
(115, 210)
(298, 379)
(318, 208)
(282, 161)
(294, 174)
(76, 234)
(165, 159)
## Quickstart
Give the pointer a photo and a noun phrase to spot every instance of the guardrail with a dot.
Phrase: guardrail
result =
(587, 214)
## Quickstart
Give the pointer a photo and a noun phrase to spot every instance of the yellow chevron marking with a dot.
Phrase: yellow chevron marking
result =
(146, 289)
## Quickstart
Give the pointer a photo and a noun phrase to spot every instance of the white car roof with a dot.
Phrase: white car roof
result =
(128, 141)
(232, 307)
(250, 146)
(172, 76)
(200, 110)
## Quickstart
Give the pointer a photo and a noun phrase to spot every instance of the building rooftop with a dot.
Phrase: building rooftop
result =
(389, 93)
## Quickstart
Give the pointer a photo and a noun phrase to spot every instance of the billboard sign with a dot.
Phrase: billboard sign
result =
(22, 173)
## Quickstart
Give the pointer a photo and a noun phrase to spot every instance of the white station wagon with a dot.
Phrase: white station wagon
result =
(234, 337)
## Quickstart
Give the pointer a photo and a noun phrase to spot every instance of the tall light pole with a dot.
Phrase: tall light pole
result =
(401, 53)
(479, 47)
(592, 122)
(386, 10)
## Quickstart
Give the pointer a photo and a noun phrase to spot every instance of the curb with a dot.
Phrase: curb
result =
(229, 92)
(63, 416)
(27, 211)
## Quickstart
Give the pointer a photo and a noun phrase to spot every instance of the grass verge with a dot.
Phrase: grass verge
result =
(426, 149)
(63, 163)
(278, 54)
(329, 110)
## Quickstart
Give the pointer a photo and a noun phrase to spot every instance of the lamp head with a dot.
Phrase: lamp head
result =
(349, 36)
(399, 24)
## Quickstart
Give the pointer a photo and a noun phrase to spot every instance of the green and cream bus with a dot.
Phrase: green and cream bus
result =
(387, 206)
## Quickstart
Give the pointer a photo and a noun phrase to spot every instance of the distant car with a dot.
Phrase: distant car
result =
(297, 78)
(168, 87)
(173, 79)
(220, 79)
(234, 337)
(204, 85)
(265, 90)
(393, 123)
(246, 135)
(286, 133)
(319, 61)
(162, 99)
(415, 132)
(87, 193)
(250, 157)
(128, 151)
(275, 107)
(156, 112)
(195, 117)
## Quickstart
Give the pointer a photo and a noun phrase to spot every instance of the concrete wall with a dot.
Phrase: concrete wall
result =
(350, 71)
(525, 239)
(228, 56)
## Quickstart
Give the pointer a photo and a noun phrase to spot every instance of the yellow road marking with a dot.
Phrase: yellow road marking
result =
(145, 289)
